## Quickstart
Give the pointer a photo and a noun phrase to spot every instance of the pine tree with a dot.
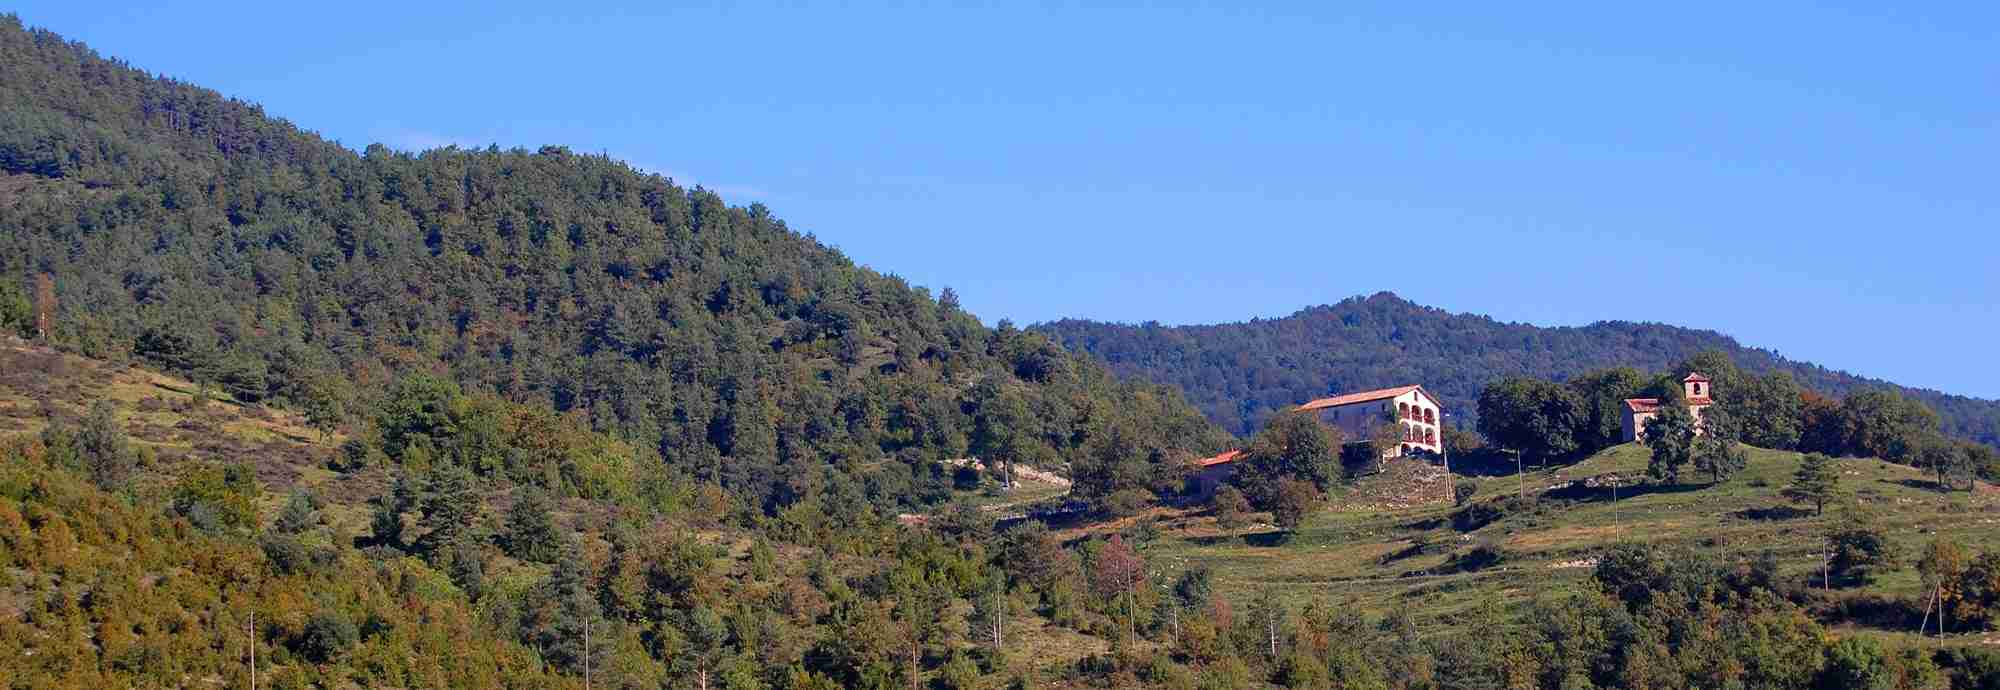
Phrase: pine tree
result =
(531, 529)
(1817, 481)
(450, 507)
(559, 609)
(301, 513)
(102, 446)
(387, 522)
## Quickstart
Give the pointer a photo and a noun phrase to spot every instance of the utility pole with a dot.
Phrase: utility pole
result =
(586, 653)
(1520, 480)
(253, 649)
(1444, 453)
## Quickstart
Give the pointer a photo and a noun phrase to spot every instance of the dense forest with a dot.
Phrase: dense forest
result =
(1239, 374)
(148, 218)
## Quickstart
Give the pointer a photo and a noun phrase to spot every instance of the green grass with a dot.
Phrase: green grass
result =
(1365, 557)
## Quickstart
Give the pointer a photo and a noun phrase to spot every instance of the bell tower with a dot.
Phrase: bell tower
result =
(1695, 386)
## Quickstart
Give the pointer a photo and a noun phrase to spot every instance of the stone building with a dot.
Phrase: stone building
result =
(1638, 411)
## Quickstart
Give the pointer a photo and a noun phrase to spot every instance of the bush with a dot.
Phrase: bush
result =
(289, 556)
(1861, 549)
(1229, 506)
(1477, 515)
(1127, 502)
(958, 674)
(1463, 492)
(326, 635)
(354, 455)
(301, 513)
(1483, 555)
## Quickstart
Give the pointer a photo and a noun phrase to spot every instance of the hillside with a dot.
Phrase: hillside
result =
(1390, 558)
(176, 226)
(1239, 373)
(174, 560)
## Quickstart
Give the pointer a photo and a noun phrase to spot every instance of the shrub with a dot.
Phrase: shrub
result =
(289, 556)
(1127, 502)
(1463, 492)
(326, 635)
(301, 513)
(1229, 506)
(1485, 554)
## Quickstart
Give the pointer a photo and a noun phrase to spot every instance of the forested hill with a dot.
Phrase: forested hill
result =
(1238, 373)
(159, 220)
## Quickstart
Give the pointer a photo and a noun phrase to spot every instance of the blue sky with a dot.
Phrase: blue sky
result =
(1813, 179)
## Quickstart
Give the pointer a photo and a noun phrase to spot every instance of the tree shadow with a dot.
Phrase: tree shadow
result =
(1412, 551)
(1924, 484)
(1772, 514)
(1268, 539)
(1426, 524)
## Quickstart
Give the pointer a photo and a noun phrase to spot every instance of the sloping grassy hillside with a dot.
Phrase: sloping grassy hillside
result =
(1415, 558)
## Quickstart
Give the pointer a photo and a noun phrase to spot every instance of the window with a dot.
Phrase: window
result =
(1402, 411)
(1430, 416)
(1430, 437)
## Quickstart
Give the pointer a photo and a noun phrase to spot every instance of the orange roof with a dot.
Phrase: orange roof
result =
(1363, 396)
(1642, 404)
(1653, 404)
(1695, 377)
(1228, 457)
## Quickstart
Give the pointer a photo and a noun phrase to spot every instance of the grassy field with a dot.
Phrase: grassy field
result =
(1384, 560)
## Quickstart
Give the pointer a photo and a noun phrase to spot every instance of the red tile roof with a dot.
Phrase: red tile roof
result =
(1653, 404)
(1363, 396)
(1696, 377)
(1228, 457)
(1642, 404)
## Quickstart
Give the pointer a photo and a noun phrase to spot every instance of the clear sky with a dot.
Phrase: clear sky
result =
(1814, 179)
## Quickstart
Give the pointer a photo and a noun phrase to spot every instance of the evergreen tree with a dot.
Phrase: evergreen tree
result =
(16, 313)
(450, 507)
(1817, 481)
(701, 634)
(531, 529)
(386, 522)
(102, 446)
(301, 513)
(558, 610)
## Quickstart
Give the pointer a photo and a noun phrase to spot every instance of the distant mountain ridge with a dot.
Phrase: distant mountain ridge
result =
(1239, 373)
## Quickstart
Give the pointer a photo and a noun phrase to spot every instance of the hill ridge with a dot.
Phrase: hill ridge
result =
(1239, 372)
